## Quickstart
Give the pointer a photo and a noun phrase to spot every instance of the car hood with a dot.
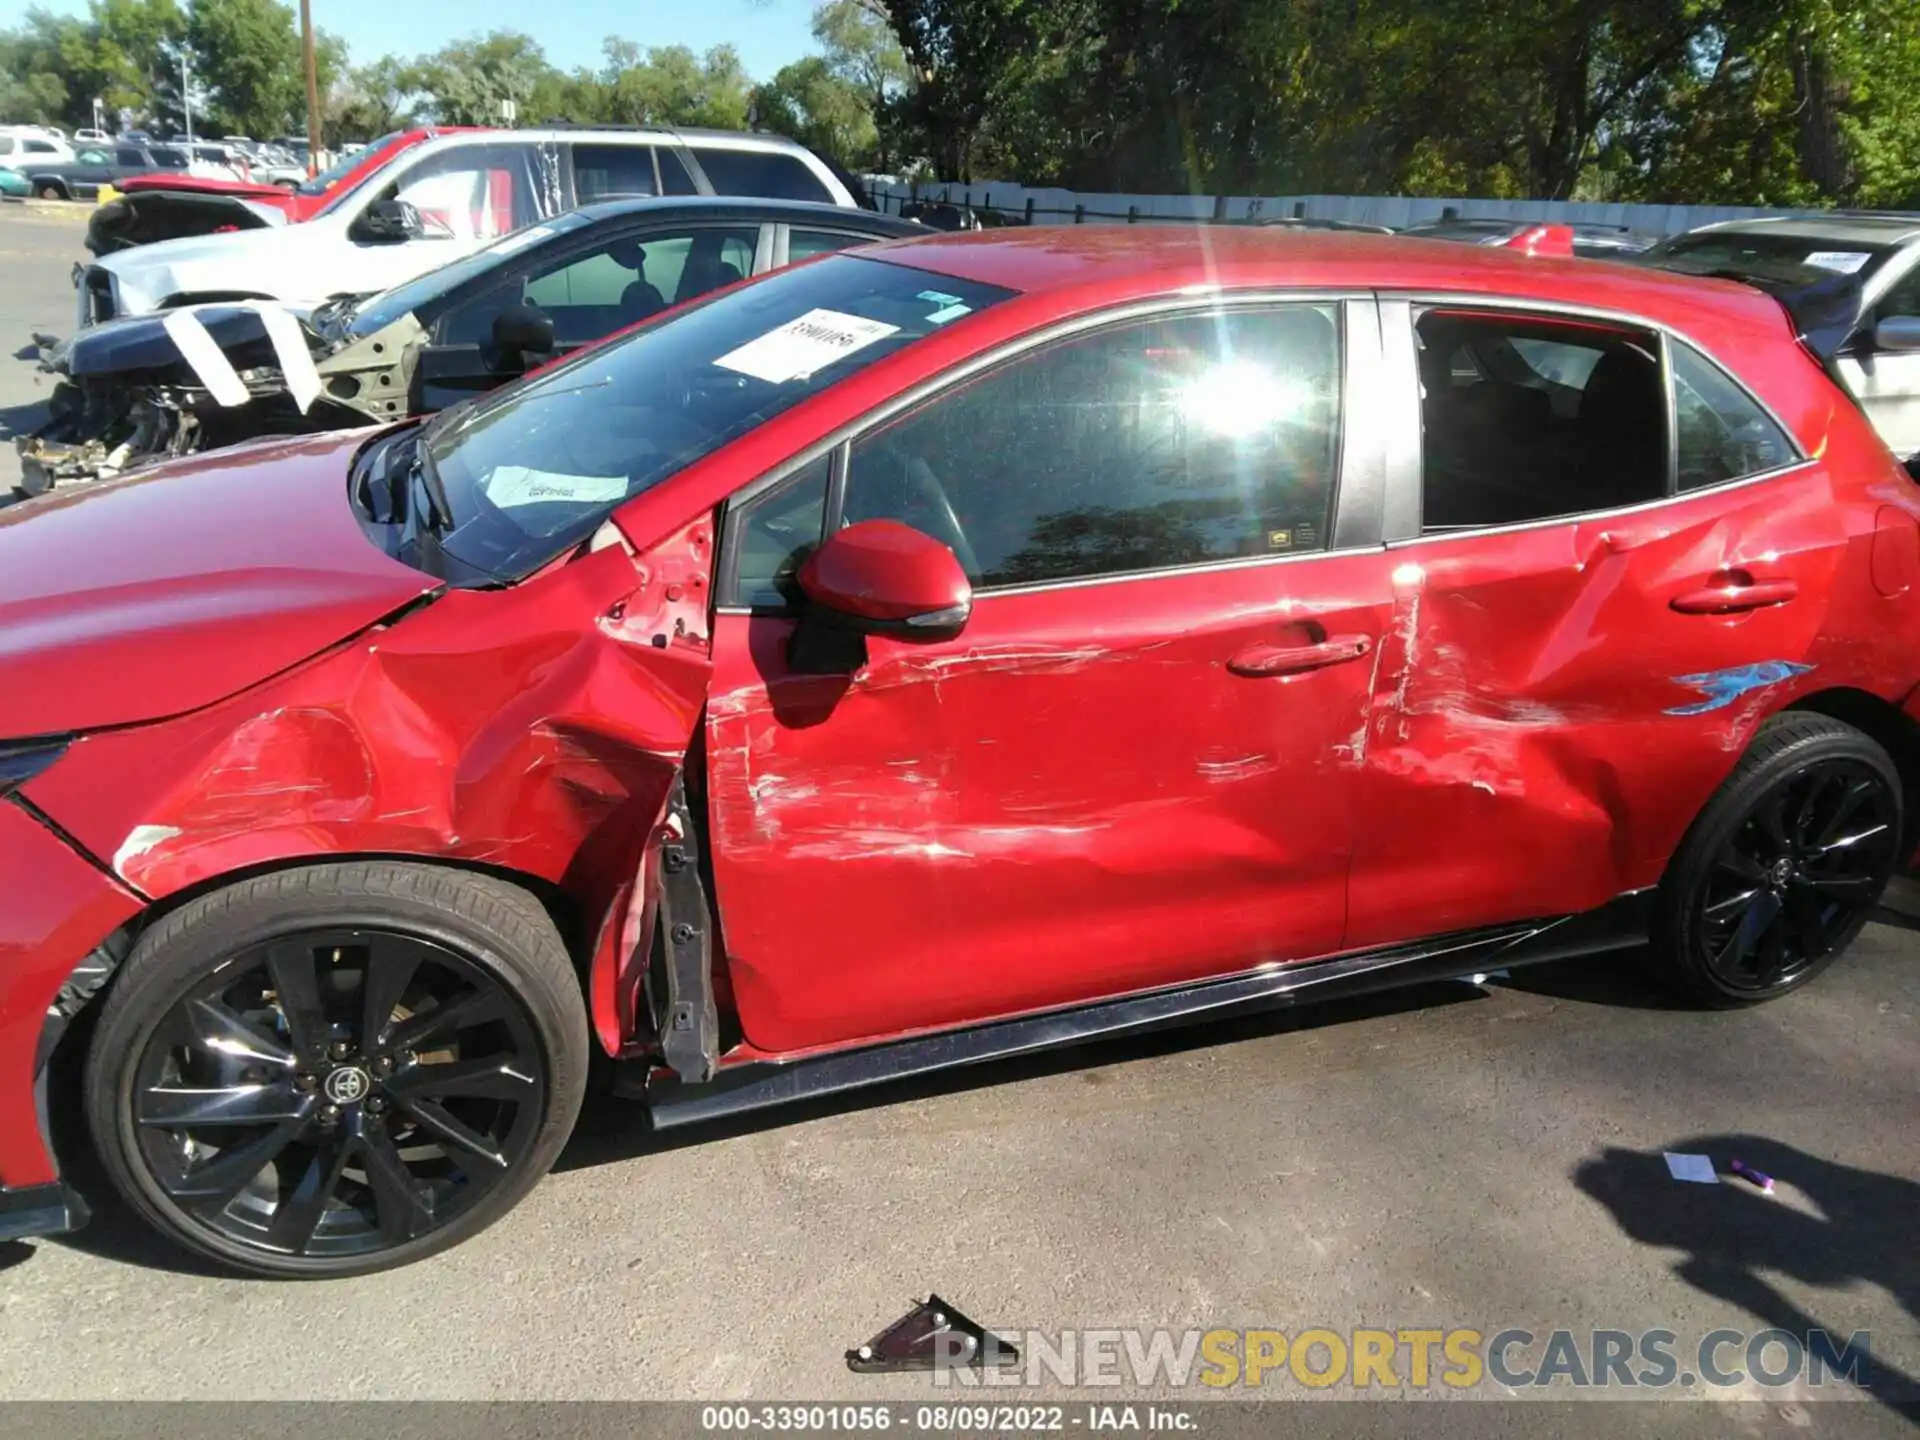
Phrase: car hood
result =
(179, 586)
(204, 184)
(169, 212)
(308, 261)
(136, 349)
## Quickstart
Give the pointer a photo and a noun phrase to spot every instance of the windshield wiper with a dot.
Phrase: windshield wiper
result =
(423, 478)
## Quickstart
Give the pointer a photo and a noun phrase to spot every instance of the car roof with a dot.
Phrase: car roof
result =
(748, 207)
(1870, 229)
(1096, 265)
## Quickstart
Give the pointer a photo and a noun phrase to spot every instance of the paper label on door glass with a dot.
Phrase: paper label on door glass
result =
(798, 348)
(1843, 261)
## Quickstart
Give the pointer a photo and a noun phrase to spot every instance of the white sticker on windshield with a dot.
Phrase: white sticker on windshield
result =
(1844, 261)
(513, 486)
(800, 347)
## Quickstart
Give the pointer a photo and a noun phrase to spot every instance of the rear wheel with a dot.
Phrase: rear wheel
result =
(338, 1069)
(1785, 864)
(51, 191)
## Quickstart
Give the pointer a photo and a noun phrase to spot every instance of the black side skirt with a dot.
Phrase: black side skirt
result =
(40, 1210)
(1618, 925)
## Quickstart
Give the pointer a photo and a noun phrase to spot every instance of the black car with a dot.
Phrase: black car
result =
(95, 165)
(132, 395)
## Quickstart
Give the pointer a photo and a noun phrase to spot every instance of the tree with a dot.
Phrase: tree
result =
(371, 100)
(822, 109)
(247, 56)
(669, 85)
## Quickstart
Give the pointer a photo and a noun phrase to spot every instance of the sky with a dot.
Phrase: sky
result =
(767, 33)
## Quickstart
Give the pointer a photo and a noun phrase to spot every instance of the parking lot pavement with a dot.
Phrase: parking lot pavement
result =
(37, 253)
(1450, 1157)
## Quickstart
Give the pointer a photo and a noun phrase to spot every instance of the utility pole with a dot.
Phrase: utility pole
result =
(186, 95)
(313, 88)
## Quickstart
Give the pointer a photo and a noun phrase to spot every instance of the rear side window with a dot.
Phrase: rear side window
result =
(129, 157)
(805, 244)
(770, 175)
(610, 172)
(1531, 418)
(1723, 433)
(1146, 446)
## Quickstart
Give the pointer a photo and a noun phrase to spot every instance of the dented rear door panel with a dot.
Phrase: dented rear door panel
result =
(1547, 723)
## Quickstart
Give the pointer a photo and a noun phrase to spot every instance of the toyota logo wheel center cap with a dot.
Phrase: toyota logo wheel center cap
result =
(347, 1085)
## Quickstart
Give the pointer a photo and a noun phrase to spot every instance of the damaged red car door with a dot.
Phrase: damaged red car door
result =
(1586, 622)
(1135, 764)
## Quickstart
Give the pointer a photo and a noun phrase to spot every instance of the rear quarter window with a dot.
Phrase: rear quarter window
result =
(771, 176)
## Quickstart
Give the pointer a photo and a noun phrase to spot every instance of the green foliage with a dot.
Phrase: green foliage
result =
(1779, 102)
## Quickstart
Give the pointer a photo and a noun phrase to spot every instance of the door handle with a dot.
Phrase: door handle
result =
(1734, 592)
(1260, 660)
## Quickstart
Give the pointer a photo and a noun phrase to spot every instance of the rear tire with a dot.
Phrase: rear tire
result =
(1784, 865)
(53, 192)
(338, 1069)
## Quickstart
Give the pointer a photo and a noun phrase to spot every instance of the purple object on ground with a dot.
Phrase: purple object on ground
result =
(1753, 1176)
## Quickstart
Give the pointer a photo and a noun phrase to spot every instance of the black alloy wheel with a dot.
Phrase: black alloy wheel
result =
(1799, 878)
(1785, 864)
(339, 1069)
(336, 1093)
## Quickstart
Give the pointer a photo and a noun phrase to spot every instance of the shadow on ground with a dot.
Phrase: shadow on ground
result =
(1826, 1224)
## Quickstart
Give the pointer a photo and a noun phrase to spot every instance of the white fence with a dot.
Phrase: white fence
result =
(1045, 206)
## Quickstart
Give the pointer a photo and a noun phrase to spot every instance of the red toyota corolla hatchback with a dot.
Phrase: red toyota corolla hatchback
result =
(923, 655)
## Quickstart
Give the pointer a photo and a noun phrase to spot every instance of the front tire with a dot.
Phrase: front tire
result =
(338, 1069)
(1784, 865)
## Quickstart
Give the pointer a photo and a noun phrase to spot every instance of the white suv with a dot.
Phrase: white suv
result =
(439, 201)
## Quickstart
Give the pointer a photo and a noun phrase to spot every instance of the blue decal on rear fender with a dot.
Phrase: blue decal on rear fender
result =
(1723, 687)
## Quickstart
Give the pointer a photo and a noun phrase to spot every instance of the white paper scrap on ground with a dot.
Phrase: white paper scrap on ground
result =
(1697, 1168)
(800, 347)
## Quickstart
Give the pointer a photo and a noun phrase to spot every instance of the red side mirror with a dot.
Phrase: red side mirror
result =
(882, 576)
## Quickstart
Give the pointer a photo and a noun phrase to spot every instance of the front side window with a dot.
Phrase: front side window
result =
(1722, 432)
(534, 468)
(122, 157)
(40, 147)
(772, 175)
(1529, 418)
(471, 192)
(630, 280)
(1149, 445)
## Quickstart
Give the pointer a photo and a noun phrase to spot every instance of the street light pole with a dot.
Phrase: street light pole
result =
(313, 88)
(186, 95)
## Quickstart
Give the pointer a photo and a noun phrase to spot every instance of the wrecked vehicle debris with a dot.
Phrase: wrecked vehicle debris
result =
(145, 388)
(958, 649)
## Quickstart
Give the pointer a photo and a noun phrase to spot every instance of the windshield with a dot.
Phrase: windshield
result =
(534, 469)
(381, 310)
(1786, 259)
(337, 171)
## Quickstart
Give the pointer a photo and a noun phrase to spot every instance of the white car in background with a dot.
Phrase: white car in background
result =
(24, 146)
(1880, 360)
(444, 199)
